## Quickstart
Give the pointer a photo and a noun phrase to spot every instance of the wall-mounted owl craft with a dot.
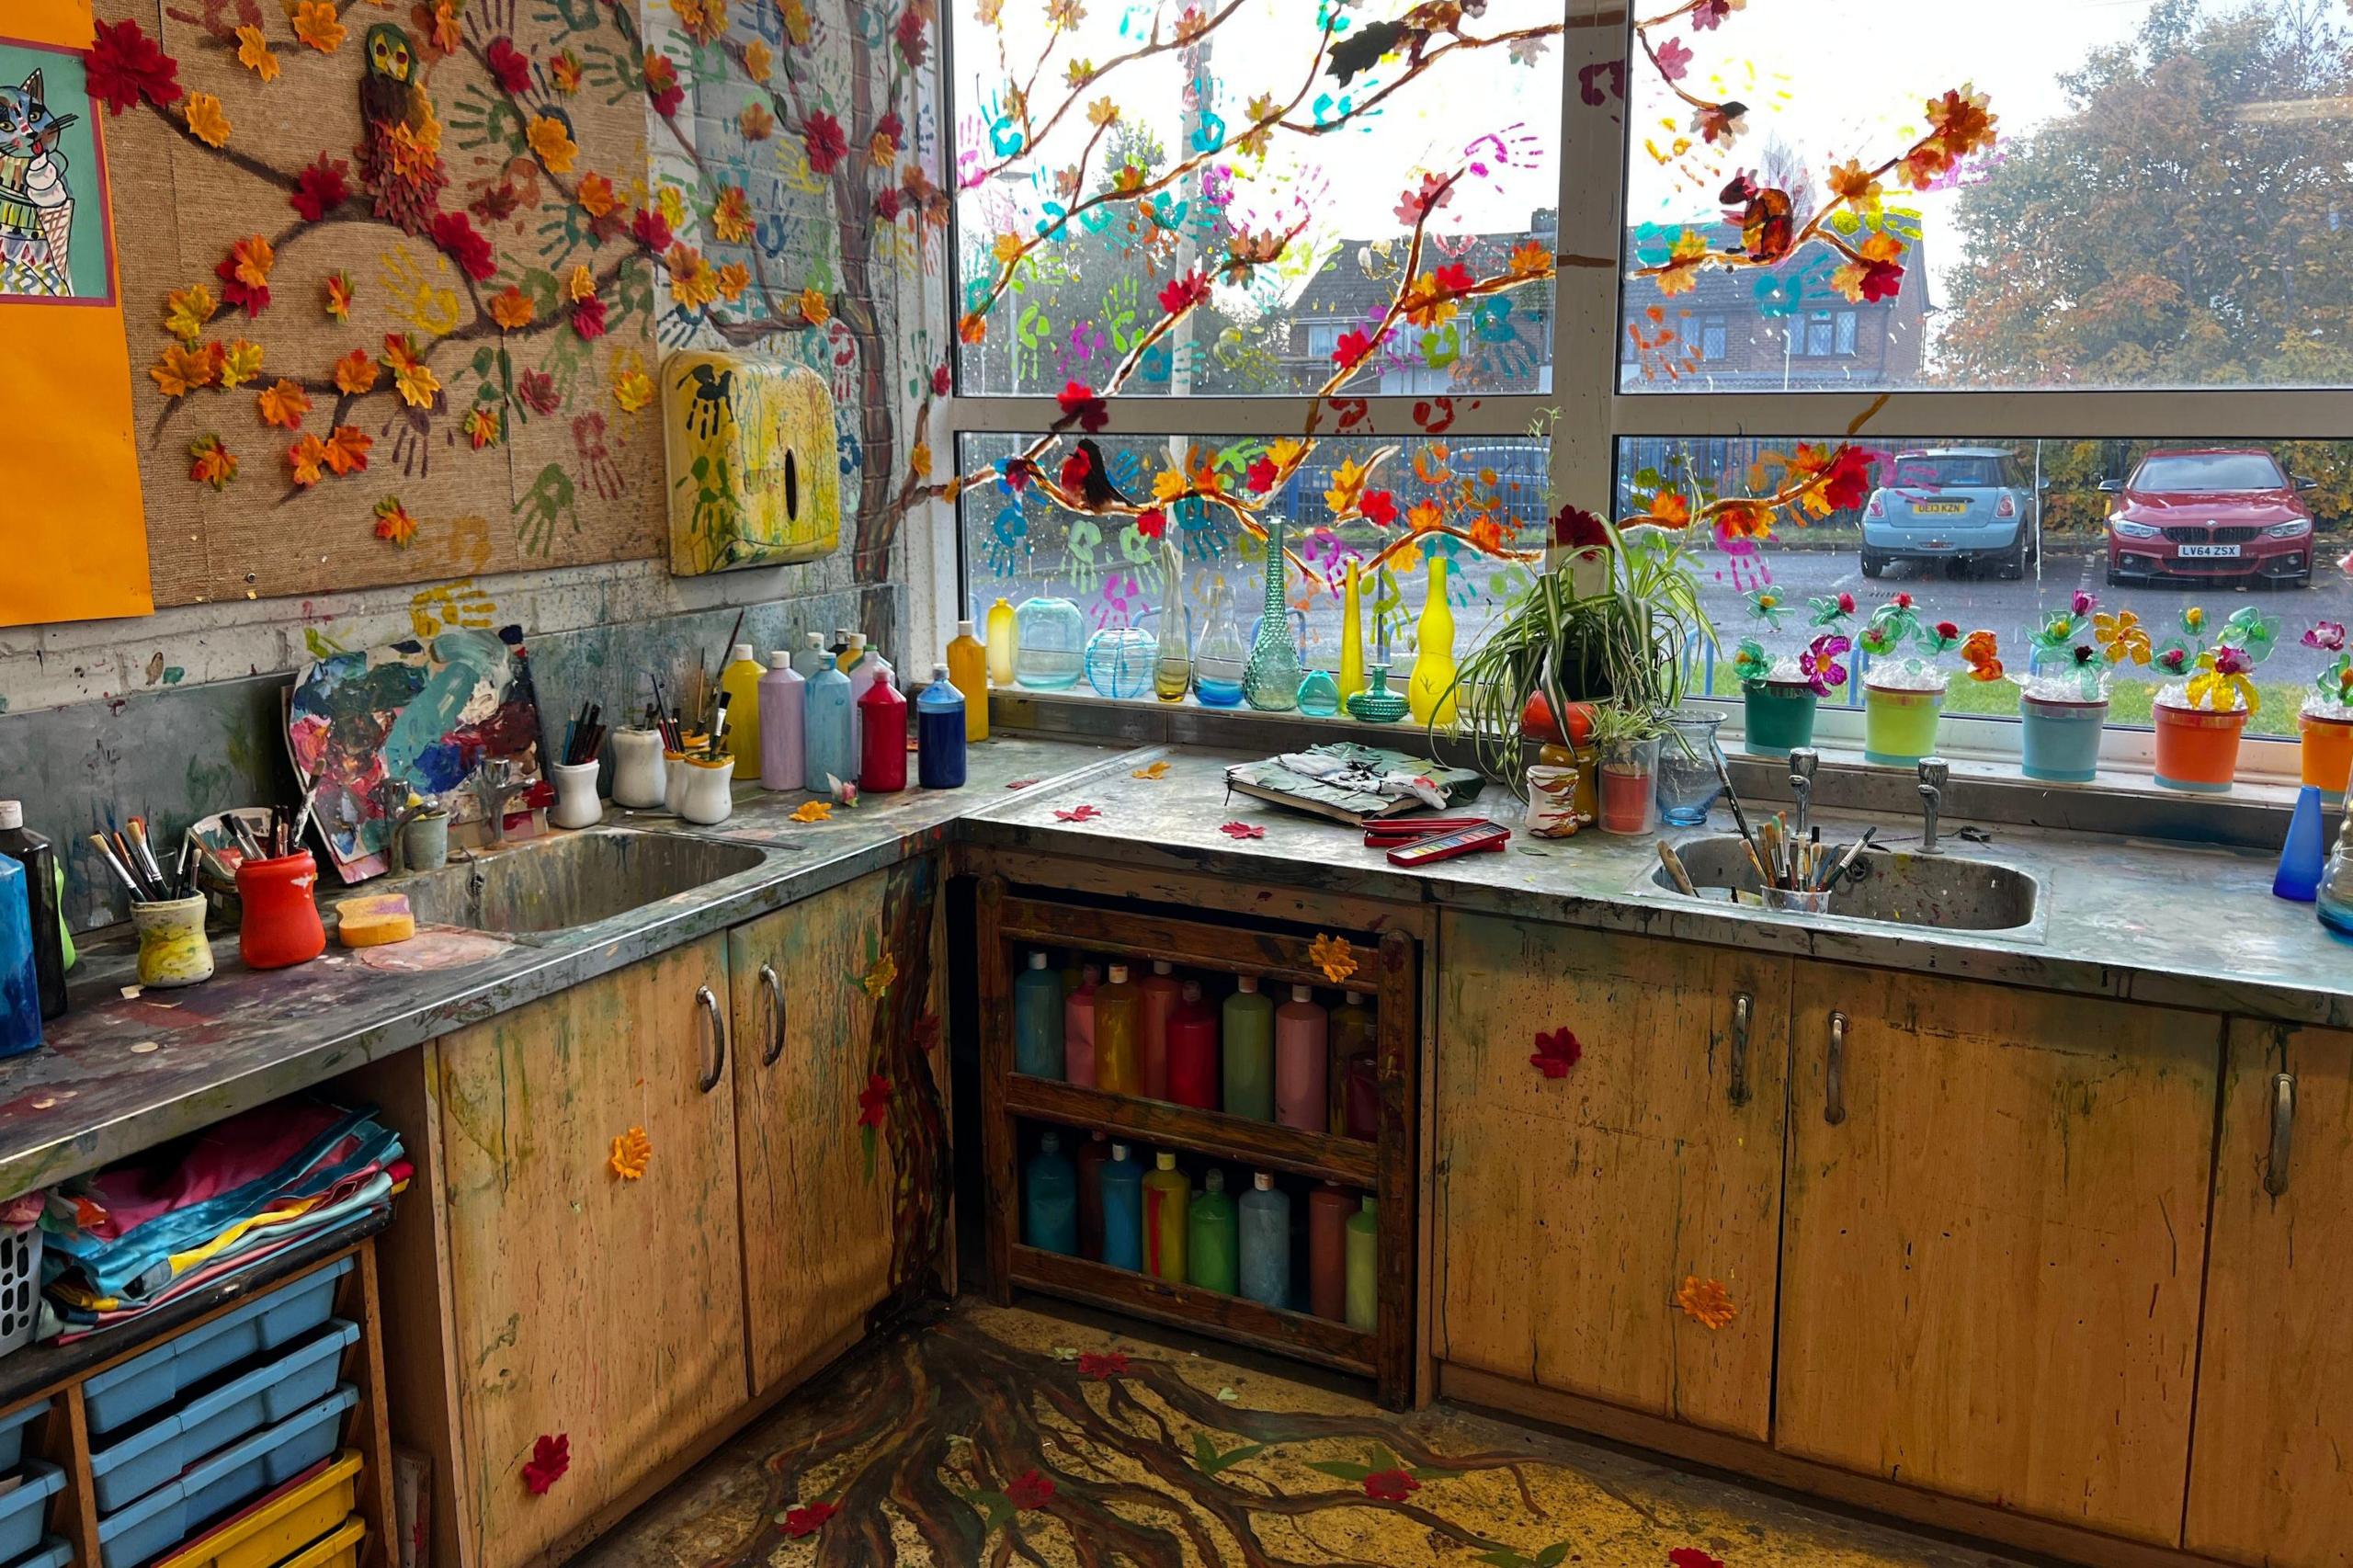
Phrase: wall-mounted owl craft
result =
(754, 479)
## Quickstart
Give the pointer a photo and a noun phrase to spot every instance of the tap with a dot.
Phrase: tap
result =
(494, 785)
(1803, 760)
(1935, 772)
(391, 796)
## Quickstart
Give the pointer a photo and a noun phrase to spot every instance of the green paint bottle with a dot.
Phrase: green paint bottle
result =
(1364, 1287)
(1213, 1246)
(1250, 1051)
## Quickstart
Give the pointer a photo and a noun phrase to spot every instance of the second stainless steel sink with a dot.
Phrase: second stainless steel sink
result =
(553, 884)
(1941, 892)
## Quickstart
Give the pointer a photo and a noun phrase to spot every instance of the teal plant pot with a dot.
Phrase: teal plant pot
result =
(1779, 716)
(2059, 742)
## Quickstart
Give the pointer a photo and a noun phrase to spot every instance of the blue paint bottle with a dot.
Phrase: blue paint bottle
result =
(1265, 1243)
(1049, 1199)
(19, 982)
(1122, 1210)
(829, 732)
(1037, 1020)
(939, 733)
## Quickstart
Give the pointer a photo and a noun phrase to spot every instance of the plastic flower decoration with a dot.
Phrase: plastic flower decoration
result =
(2328, 635)
(1891, 625)
(1832, 610)
(1749, 661)
(2334, 682)
(2250, 629)
(1941, 638)
(2182, 651)
(1766, 605)
(2221, 684)
(2122, 637)
(1821, 665)
(2060, 629)
(1980, 651)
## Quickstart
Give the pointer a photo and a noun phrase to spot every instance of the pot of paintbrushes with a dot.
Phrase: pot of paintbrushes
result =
(166, 909)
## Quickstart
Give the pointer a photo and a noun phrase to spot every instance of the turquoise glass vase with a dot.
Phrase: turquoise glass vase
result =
(1377, 704)
(1319, 694)
(1270, 684)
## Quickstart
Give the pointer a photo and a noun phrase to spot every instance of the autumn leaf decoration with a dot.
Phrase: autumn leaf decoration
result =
(213, 463)
(1705, 1302)
(551, 1457)
(1079, 813)
(1101, 1366)
(1386, 1478)
(632, 1150)
(811, 811)
(1334, 956)
(874, 1107)
(1241, 830)
(1556, 1052)
(808, 1519)
(1025, 1494)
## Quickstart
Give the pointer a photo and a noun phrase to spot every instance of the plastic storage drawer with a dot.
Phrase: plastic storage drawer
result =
(215, 1485)
(340, 1550)
(55, 1552)
(12, 1434)
(24, 1511)
(152, 1381)
(126, 1471)
(280, 1525)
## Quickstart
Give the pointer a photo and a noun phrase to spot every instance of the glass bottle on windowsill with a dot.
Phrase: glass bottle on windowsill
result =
(2334, 900)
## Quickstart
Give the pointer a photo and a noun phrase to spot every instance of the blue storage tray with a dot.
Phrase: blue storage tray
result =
(143, 1460)
(24, 1511)
(149, 1382)
(219, 1483)
(12, 1435)
(55, 1552)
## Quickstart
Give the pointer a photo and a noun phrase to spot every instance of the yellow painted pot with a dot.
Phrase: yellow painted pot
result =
(173, 950)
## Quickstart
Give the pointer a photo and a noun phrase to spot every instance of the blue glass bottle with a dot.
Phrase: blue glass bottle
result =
(939, 733)
(1037, 1020)
(829, 732)
(2305, 854)
(1265, 1243)
(20, 981)
(1123, 1210)
(1050, 1199)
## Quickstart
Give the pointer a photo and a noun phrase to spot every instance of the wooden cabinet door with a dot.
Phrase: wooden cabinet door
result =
(1995, 1237)
(1571, 1208)
(828, 1229)
(2268, 1481)
(585, 1305)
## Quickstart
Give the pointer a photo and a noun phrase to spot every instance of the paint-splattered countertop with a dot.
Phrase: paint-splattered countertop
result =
(2170, 924)
(123, 1073)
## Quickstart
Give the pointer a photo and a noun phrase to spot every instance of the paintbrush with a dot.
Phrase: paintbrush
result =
(1769, 845)
(114, 863)
(1674, 864)
(1739, 813)
(146, 862)
(729, 646)
(1853, 851)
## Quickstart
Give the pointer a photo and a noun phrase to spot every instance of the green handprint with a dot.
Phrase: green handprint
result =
(1119, 313)
(549, 497)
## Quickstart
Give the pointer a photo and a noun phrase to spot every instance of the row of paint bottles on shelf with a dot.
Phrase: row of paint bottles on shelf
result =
(1158, 1039)
(837, 713)
(1105, 1206)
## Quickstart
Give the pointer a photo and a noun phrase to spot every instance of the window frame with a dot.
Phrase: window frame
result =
(1591, 411)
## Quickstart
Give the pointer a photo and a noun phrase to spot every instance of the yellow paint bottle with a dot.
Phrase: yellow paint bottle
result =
(741, 681)
(1166, 1198)
(968, 672)
(1004, 643)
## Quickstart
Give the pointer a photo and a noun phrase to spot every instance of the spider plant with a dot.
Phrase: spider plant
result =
(1620, 645)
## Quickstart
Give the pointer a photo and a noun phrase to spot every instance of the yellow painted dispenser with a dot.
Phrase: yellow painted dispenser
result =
(755, 474)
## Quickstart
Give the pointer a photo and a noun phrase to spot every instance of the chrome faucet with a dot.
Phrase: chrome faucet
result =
(493, 784)
(1933, 775)
(391, 796)
(1803, 760)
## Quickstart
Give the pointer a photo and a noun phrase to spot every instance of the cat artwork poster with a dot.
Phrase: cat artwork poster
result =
(55, 242)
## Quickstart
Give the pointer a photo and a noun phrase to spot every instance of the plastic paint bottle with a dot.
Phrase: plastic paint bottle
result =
(1004, 642)
(1356, 1058)
(741, 681)
(1192, 1051)
(940, 733)
(1093, 1155)
(1250, 1052)
(1037, 1020)
(43, 890)
(1301, 1042)
(1161, 992)
(812, 656)
(967, 667)
(1211, 1238)
(1265, 1242)
(1364, 1287)
(783, 710)
(1117, 1003)
(1123, 1210)
(1078, 1030)
(1166, 1196)
(19, 982)
(1327, 1252)
(883, 738)
(829, 739)
(1049, 1199)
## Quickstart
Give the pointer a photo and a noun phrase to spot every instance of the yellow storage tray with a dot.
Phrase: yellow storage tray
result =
(340, 1550)
(276, 1528)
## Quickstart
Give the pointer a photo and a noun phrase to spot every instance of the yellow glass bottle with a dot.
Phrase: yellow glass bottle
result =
(1003, 644)
(1352, 635)
(741, 681)
(1430, 694)
(968, 672)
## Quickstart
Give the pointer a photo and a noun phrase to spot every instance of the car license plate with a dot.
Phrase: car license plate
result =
(2209, 551)
(1939, 509)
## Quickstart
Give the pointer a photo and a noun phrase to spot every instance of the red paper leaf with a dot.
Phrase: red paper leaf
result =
(1390, 1485)
(1241, 830)
(1101, 1367)
(808, 1520)
(1030, 1490)
(1078, 813)
(551, 1457)
(1556, 1052)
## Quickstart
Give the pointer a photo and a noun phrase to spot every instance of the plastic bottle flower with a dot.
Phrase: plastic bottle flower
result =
(1750, 662)
(1820, 662)
(2181, 652)
(2333, 687)
(1891, 626)
(1765, 605)
(2328, 635)
(2060, 629)
(2250, 629)
(1982, 652)
(2221, 684)
(1831, 610)
(2121, 636)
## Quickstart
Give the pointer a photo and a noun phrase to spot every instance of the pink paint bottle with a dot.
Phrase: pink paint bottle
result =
(1302, 1052)
(1078, 1030)
(1160, 992)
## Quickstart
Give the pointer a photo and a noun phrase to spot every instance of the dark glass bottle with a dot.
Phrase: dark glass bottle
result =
(34, 853)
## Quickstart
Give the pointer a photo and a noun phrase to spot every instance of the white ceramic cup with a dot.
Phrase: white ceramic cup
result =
(577, 804)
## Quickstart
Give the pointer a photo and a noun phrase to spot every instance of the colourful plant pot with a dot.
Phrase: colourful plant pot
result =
(2327, 753)
(1900, 726)
(2198, 750)
(2059, 742)
(1779, 716)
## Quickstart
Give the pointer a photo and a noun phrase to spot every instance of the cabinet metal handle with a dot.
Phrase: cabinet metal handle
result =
(776, 1015)
(2283, 1129)
(711, 1014)
(1741, 1005)
(1833, 1086)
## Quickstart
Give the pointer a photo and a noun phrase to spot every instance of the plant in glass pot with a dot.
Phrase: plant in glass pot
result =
(2201, 714)
(1781, 694)
(1904, 690)
(2326, 722)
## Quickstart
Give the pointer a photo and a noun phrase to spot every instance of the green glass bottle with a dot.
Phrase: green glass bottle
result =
(1249, 1036)
(1213, 1249)
(1270, 684)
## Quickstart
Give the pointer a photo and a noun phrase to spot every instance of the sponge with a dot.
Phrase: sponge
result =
(375, 921)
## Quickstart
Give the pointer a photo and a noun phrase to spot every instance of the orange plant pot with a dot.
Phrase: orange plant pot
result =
(2198, 750)
(2327, 753)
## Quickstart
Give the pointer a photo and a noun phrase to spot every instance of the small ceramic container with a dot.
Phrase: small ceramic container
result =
(676, 777)
(577, 804)
(281, 921)
(425, 841)
(173, 950)
(639, 779)
(708, 795)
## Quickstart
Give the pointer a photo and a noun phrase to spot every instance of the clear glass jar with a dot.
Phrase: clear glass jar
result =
(1119, 661)
(1689, 782)
(1049, 648)
(1219, 659)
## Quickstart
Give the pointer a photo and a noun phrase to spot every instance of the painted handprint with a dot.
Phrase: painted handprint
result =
(420, 295)
(590, 441)
(550, 498)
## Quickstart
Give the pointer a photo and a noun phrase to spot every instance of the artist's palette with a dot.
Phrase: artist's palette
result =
(428, 711)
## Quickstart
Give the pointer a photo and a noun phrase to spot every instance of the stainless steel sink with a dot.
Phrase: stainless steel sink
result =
(1941, 892)
(578, 879)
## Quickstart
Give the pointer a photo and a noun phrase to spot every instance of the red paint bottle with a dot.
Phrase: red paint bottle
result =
(1328, 1251)
(1093, 1155)
(1190, 1038)
(882, 739)
(281, 921)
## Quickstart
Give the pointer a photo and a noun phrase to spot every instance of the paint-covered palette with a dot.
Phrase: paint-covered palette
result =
(428, 711)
